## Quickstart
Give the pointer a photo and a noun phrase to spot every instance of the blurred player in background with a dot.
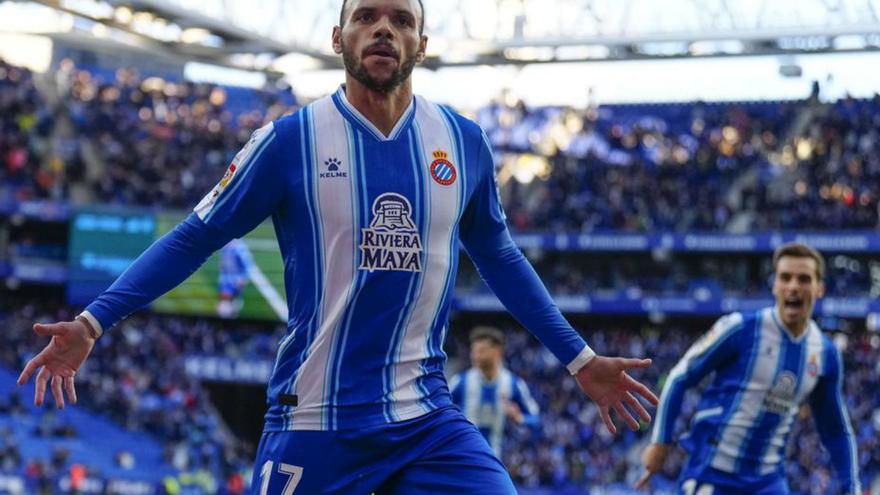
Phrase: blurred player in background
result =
(236, 263)
(370, 190)
(766, 365)
(488, 393)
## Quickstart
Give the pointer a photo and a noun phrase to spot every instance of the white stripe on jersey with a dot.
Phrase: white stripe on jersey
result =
(443, 208)
(472, 394)
(258, 142)
(335, 210)
(503, 393)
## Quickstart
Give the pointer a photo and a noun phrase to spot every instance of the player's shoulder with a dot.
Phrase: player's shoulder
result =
(288, 127)
(733, 322)
(470, 131)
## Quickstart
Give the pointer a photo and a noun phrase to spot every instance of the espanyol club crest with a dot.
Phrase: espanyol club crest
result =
(392, 241)
(442, 170)
(813, 366)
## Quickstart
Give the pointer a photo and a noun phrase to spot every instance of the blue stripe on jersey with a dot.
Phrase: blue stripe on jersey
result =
(302, 333)
(839, 402)
(246, 168)
(746, 378)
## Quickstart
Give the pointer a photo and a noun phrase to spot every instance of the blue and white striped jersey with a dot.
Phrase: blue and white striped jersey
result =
(762, 376)
(369, 229)
(483, 402)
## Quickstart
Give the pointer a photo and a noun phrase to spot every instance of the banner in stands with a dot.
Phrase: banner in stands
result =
(103, 242)
(838, 242)
(856, 307)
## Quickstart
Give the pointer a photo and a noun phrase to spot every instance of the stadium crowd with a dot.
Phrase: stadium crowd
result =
(125, 381)
(701, 276)
(693, 166)
(136, 378)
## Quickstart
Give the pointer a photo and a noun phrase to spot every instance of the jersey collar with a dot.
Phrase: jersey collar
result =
(785, 331)
(358, 120)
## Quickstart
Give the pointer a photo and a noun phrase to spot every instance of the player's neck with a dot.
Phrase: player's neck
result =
(383, 110)
(490, 373)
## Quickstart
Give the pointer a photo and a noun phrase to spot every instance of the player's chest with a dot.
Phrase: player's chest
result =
(785, 371)
(393, 194)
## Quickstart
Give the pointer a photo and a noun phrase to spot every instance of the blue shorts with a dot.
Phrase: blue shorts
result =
(714, 482)
(438, 453)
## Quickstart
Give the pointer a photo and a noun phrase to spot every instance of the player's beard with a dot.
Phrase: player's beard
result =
(359, 72)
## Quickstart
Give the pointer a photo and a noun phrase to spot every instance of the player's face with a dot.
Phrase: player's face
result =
(796, 286)
(484, 353)
(380, 42)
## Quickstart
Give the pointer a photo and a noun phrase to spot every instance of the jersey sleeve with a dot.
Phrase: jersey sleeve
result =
(526, 403)
(710, 352)
(832, 421)
(249, 192)
(508, 273)
(456, 389)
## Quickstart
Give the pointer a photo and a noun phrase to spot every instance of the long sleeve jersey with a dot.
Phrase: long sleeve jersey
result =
(762, 376)
(369, 227)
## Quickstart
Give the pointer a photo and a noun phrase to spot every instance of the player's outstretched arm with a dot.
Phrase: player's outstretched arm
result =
(71, 343)
(605, 380)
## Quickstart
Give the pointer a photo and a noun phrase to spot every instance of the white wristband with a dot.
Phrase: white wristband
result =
(93, 322)
(581, 360)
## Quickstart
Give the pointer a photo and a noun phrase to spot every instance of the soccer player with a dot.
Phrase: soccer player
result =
(370, 190)
(766, 365)
(488, 393)
(235, 264)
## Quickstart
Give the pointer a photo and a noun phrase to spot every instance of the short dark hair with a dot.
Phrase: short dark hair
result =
(800, 250)
(421, 21)
(492, 334)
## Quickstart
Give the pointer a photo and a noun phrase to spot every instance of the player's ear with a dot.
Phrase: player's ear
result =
(820, 291)
(423, 47)
(337, 40)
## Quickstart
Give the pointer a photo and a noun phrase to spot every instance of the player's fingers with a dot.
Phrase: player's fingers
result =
(643, 481)
(57, 392)
(634, 385)
(70, 389)
(606, 418)
(637, 406)
(41, 381)
(50, 329)
(626, 416)
(30, 368)
(630, 363)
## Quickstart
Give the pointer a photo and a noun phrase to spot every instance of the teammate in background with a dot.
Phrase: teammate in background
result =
(488, 393)
(235, 266)
(766, 365)
(370, 190)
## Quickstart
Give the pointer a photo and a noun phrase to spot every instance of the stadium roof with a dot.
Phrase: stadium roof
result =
(251, 34)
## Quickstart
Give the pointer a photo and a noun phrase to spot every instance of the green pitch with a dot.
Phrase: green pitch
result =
(199, 294)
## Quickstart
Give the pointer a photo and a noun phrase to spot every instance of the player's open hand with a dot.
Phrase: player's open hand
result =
(652, 458)
(58, 363)
(606, 382)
